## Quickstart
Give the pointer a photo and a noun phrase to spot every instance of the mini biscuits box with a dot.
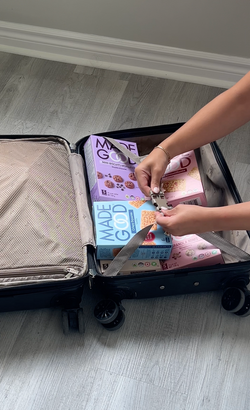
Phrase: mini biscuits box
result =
(110, 173)
(182, 183)
(191, 251)
(117, 222)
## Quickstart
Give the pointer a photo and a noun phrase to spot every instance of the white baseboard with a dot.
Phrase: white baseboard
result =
(122, 55)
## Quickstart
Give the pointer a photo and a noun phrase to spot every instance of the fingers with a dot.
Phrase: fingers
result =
(163, 216)
(143, 180)
(150, 172)
(156, 181)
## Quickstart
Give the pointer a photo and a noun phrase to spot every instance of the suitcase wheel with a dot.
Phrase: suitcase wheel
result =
(73, 319)
(117, 323)
(109, 314)
(245, 310)
(236, 300)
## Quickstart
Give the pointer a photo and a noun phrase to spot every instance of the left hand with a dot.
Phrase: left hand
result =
(185, 219)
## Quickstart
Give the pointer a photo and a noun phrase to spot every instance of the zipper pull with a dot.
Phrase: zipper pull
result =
(92, 275)
(72, 147)
(71, 273)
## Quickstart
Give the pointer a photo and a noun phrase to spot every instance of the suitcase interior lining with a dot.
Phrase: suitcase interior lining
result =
(41, 237)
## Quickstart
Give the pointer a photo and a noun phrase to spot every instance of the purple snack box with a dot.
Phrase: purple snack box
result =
(110, 173)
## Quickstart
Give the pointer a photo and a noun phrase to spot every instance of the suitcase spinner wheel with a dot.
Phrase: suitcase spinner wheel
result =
(73, 319)
(236, 300)
(109, 314)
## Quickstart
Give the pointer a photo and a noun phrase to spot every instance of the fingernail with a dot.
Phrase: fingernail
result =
(156, 190)
(163, 207)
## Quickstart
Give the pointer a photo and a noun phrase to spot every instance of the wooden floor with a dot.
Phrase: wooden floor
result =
(172, 353)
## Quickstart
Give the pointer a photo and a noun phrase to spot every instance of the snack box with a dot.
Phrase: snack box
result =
(182, 182)
(134, 266)
(191, 251)
(110, 173)
(117, 222)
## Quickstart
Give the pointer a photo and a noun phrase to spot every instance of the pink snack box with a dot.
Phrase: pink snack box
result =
(190, 251)
(110, 173)
(182, 183)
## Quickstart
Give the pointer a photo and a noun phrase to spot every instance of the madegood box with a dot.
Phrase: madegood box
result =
(117, 222)
(181, 181)
(135, 266)
(110, 173)
(191, 251)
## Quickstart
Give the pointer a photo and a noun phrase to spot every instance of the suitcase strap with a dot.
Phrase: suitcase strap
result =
(125, 151)
(118, 262)
(225, 246)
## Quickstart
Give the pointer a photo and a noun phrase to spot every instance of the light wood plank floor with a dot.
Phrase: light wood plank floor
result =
(175, 353)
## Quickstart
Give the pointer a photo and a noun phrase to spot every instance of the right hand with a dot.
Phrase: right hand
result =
(150, 171)
(187, 219)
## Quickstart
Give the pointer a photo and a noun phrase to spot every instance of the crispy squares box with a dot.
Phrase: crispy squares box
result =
(110, 173)
(191, 251)
(182, 183)
(117, 222)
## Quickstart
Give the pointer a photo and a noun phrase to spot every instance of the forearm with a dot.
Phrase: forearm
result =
(221, 116)
(232, 217)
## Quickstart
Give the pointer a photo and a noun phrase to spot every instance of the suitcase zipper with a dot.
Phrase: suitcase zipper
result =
(72, 272)
(45, 270)
(92, 275)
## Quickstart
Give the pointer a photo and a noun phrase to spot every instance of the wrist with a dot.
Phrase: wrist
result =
(171, 148)
(217, 219)
(167, 155)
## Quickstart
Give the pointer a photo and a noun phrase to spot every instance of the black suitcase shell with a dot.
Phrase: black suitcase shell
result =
(143, 285)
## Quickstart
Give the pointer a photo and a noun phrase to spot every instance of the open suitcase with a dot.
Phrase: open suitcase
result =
(47, 246)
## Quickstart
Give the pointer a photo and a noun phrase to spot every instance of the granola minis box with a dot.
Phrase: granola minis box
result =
(117, 222)
(191, 251)
(182, 182)
(110, 173)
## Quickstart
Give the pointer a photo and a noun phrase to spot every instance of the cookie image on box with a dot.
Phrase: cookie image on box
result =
(202, 246)
(148, 218)
(174, 185)
(132, 176)
(190, 252)
(194, 173)
(109, 184)
(176, 255)
(129, 185)
(117, 178)
(152, 243)
(137, 203)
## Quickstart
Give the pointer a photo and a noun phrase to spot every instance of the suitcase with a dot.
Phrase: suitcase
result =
(47, 249)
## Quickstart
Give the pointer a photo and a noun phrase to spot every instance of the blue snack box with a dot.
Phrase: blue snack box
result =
(117, 222)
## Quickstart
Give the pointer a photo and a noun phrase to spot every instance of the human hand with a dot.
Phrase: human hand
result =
(150, 170)
(185, 219)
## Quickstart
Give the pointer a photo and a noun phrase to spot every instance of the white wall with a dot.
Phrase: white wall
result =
(215, 26)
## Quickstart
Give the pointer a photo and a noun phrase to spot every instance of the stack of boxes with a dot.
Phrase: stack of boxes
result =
(120, 210)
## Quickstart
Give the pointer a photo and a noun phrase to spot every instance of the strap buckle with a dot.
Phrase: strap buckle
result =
(159, 200)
